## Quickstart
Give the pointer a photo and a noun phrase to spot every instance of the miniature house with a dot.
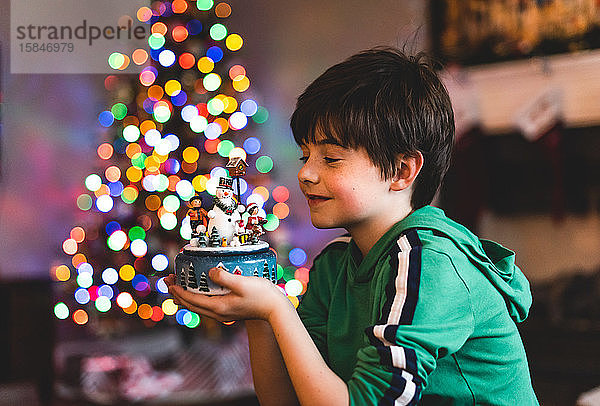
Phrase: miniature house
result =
(236, 166)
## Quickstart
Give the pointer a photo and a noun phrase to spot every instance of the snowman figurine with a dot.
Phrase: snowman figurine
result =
(226, 212)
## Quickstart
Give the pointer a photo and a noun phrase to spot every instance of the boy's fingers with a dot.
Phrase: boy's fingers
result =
(223, 278)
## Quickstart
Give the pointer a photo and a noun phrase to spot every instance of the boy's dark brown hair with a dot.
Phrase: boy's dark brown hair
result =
(388, 103)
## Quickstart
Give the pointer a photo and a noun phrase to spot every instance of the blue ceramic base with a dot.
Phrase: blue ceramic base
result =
(193, 263)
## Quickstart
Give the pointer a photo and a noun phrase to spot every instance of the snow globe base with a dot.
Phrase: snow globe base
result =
(193, 263)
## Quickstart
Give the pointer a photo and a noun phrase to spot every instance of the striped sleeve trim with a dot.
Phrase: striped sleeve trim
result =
(402, 295)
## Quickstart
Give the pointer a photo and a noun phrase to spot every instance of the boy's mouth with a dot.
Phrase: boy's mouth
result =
(316, 199)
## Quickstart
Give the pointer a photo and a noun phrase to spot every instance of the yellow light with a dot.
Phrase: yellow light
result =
(127, 272)
(155, 92)
(281, 210)
(172, 87)
(159, 28)
(152, 164)
(241, 83)
(205, 64)
(234, 42)
(231, 105)
(133, 149)
(62, 273)
(133, 174)
(199, 183)
(169, 307)
(191, 154)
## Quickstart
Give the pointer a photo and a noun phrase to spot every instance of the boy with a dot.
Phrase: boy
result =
(409, 307)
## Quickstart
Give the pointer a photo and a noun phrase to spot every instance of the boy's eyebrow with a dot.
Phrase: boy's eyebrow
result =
(329, 141)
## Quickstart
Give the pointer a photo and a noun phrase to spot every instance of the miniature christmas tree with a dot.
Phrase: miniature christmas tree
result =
(192, 278)
(255, 273)
(266, 271)
(203, 283)
(202, 242)
(215, 238)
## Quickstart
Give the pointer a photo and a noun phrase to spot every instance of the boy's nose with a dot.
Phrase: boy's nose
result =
(307, 174)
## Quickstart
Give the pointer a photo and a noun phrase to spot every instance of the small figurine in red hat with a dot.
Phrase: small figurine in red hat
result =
(254, 224)
(198, 220)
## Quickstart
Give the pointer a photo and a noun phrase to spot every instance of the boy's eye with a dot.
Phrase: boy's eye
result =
(303, 159)
(330, 160)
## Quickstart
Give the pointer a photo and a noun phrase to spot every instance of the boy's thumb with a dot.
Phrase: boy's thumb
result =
(221, 277)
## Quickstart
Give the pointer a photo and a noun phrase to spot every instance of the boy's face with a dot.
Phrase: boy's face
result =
(342, 186)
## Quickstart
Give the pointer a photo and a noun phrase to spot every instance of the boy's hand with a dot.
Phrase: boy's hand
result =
(250, 297)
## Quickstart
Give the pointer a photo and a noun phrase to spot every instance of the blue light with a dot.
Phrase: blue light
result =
(180, 315)
(297, 256)
(194, 27)
(249, 107)
(252, 145)
(111, 227)
(148, 106)
(106, 290)
(82, 296)
(106, 118)
(161, 286)
(140, 282)
(154, 53)
(115, 188)
(179, 99)
(215, 53)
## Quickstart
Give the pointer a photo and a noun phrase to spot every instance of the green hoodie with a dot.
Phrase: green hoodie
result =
(428, 316)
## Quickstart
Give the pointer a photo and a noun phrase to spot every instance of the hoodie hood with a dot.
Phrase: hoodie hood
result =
(493, 260)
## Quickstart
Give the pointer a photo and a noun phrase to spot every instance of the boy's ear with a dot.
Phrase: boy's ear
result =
(407, 170)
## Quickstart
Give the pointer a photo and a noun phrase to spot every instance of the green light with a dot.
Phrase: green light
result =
(217, 32)
(119, 110)
(194, 320)
(139, 160)
(211, 82)
(162, 183)
(215, 106)
(225, 148)
(155, 41)
(279, 271)
(204, 5)
(102, 304)
(171, 203)
(272, 222)
(261, 115)
(288, 273)
(84, 202)
(116, 60)
(136, 233)
(61, 311)
(264, 164)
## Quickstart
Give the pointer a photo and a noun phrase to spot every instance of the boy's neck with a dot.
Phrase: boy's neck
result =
(366, 235)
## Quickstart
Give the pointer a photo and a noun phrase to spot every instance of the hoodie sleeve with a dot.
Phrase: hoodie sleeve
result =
(425, 313)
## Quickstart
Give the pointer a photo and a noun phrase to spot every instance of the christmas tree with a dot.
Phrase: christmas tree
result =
(165, 137)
